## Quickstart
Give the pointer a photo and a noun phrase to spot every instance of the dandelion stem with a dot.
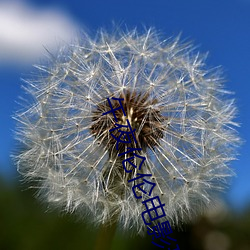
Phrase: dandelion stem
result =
(105, 236)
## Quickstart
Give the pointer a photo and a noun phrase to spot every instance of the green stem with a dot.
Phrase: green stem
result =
(105, 236)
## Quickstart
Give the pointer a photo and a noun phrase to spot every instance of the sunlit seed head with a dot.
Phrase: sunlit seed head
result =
(182, 117)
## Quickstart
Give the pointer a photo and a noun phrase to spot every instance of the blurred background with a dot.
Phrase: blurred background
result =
(28, 28)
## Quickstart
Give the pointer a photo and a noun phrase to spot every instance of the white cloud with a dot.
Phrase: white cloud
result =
(25, 31)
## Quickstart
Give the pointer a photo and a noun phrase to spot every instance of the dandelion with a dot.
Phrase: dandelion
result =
(182, 116)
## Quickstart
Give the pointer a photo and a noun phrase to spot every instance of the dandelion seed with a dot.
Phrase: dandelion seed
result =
(183, 121)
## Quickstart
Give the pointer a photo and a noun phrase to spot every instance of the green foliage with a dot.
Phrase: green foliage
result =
(25, 226)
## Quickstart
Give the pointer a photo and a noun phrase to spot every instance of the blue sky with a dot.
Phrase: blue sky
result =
(221, 27)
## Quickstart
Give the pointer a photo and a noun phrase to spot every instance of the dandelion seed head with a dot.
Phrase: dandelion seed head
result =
(182, 116)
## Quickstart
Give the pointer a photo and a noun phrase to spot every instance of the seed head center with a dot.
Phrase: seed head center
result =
(147, 123)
